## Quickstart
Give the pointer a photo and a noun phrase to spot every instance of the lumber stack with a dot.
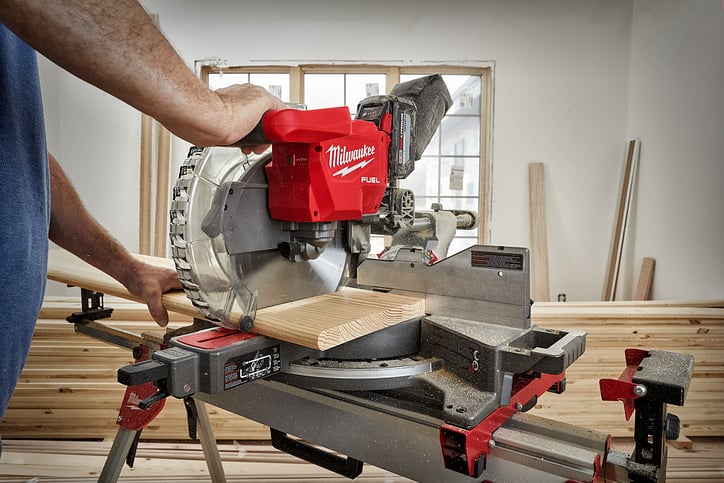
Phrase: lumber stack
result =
(695, 328)
(68, 389)
(158, 462)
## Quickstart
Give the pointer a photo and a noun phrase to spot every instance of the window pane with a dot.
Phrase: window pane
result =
(277, 84)
(423, 181)
(409, 77)
(459, 176)
(460, 136)
(423, 203)
(217, 81)
(469, 204)
(361, 86)
(323, 90)
(465, 91)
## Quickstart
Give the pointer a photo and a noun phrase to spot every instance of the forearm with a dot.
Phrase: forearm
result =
(115, 45)
(72, 227)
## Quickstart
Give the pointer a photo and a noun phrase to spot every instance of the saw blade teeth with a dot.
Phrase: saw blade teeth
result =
(197, 257)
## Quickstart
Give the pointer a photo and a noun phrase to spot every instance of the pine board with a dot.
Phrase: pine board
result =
(320, 322)
(646, 279)
(540, 280)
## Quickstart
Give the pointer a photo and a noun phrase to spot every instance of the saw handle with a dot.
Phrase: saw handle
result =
(347, 467)
(298, 126)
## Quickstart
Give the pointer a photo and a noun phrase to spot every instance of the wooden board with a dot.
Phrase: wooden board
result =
(646, 279)
(145, 185)
(614, 262)
(163, 161)
(539, 283)
(318, 322)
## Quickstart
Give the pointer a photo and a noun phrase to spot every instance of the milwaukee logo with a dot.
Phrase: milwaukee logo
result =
(340, 156)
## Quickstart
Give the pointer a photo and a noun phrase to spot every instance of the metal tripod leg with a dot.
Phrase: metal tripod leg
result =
(117, 456)
(208, 444)
(124, 439)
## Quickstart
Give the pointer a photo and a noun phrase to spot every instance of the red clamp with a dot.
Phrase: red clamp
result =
(466, 450)
(130, 416)
(624, 389)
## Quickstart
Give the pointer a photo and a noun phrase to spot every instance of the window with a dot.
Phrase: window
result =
(278, 83)
(454, 169)
(331, 90)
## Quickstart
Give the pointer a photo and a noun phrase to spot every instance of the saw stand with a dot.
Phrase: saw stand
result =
(146, 396)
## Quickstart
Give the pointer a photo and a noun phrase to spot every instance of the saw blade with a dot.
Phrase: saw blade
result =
(225, 245)
(277, 280)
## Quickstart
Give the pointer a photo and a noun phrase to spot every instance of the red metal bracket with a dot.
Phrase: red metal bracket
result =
(130, 416)
(465, 450)
(624, 389)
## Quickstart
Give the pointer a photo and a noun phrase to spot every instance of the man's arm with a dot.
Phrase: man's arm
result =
(73, 228)
(114, 45)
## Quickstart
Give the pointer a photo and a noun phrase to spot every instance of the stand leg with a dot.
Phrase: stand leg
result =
(117, 456)
(208, 444)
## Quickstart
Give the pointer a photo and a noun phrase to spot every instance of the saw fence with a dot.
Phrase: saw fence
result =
(68, 389)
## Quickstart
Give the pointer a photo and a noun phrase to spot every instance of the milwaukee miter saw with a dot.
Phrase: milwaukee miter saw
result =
(441, 398)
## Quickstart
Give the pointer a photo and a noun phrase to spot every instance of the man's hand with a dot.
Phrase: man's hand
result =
(243, 103)
(149, 283)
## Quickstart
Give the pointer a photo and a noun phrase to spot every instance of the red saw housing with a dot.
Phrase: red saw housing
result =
(327, 178)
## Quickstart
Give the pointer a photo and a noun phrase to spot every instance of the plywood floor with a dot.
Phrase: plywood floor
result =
(80, 462)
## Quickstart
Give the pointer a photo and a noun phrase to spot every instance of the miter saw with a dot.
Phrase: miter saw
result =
(441, 398)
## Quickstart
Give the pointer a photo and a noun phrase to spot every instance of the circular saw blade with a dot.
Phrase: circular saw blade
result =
(278, 280)
(229, 287)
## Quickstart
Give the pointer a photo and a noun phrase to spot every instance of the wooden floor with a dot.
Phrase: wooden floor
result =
(80, 461)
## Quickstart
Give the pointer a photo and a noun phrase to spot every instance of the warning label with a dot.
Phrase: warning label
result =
(508, 261)
(251, 366)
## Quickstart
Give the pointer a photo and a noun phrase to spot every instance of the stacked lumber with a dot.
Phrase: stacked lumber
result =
(80, 461)
(695, 328)
(68, 389)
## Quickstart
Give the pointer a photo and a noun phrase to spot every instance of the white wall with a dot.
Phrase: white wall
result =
(562, 71)
(676, 108)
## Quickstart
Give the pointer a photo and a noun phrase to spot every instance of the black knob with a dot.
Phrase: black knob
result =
(672, 426)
